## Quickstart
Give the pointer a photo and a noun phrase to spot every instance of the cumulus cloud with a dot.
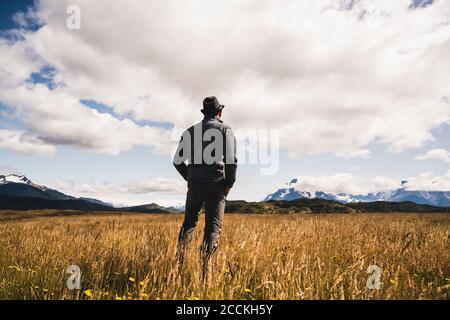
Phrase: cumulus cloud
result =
(332, 76)
(350, 183)
(122, 193)
(336, 183)
(435, 154)
(24, 143)
(54, 117)
(430, 182)
(358, 153)
(164, 185)
(344, 183)
(5, 170)
(384, 184)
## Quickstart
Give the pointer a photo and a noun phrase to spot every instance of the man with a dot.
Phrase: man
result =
(209, 148)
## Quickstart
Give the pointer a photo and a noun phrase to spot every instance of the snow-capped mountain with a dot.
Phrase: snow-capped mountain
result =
(17, 192)
(292, 191)
(20, 185)
(14, 178)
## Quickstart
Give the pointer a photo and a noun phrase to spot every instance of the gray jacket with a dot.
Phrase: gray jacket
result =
(200, 170)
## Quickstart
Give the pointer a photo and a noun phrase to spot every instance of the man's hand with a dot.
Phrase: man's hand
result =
(227, 191)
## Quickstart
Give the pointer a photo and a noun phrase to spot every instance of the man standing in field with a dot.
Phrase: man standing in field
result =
(209, 148)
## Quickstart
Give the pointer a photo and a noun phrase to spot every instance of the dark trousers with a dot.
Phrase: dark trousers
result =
(213, 198)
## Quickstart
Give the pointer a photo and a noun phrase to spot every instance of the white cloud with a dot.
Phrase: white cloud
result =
(24, 143)
(125, 193)
(428, 181)
(54, 117)
(160, 185)
(336, 183)
(332, 80)
(384, 184)
(350, 183)
(357, 153)
(344, 183)
(57, 117)
(5, 170)
(435, 154)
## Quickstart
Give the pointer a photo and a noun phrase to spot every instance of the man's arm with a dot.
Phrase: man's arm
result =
(180, 158)
(230, 159)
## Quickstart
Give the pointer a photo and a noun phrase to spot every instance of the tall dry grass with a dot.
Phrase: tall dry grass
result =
(260, 257)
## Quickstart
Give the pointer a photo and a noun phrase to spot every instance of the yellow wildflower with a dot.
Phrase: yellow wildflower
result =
(132, 279)
(88, 292)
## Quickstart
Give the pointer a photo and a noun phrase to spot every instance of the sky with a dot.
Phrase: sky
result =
(355, 94)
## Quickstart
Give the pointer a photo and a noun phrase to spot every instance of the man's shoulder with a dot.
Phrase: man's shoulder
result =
(224, 125)
(195, 125)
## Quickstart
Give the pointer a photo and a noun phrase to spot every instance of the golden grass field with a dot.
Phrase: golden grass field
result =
(295, 256)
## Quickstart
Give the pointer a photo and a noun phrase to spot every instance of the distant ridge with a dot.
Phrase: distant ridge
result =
(328, 206)
(29, 203)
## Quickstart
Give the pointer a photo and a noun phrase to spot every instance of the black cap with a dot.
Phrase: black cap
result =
(211, 106)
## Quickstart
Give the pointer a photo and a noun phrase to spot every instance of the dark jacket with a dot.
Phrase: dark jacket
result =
(201, 172)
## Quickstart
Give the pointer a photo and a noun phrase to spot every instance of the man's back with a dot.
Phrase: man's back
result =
(209, 147)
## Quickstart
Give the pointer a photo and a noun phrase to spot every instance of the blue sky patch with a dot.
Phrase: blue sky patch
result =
(103, 108)
(44, 76)
(421, 3)
(9, 9)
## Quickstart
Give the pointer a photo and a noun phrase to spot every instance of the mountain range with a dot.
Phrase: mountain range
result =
(292, 191)
(17, 192)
